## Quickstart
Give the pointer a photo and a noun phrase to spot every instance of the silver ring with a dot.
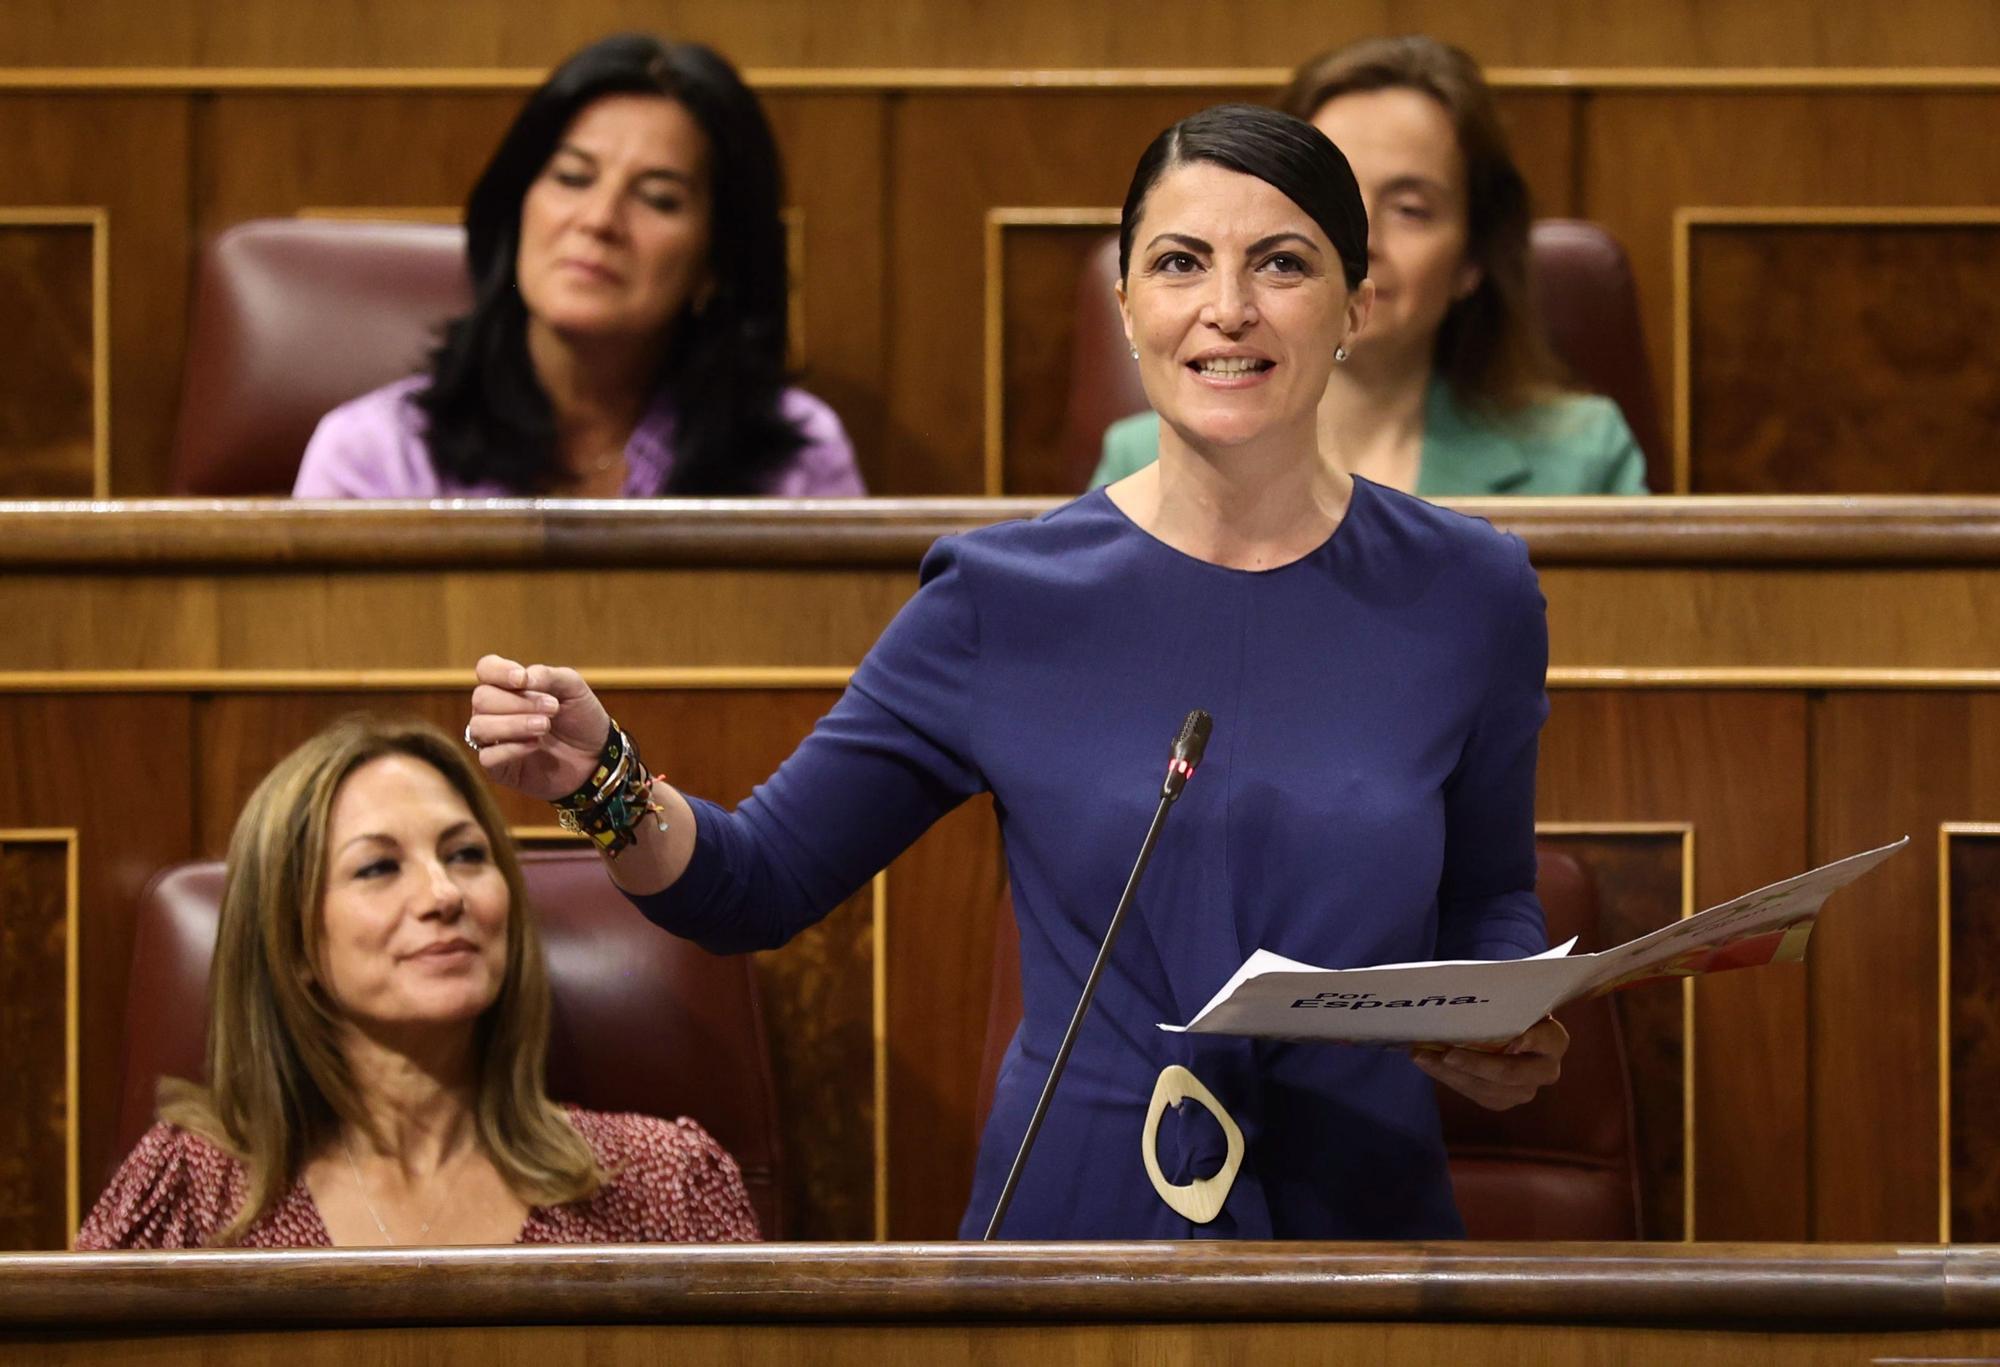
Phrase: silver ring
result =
(469, 740)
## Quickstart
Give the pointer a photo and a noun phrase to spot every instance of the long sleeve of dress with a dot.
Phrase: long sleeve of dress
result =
(1487, 908)
(892, 757)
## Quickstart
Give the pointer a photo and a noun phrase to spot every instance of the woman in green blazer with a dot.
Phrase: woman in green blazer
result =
(1450, 389)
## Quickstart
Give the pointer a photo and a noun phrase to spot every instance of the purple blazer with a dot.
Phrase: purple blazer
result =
(374, 447)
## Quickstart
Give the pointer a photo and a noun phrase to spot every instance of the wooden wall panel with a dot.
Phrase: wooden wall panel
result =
(35, 1120)
(1971, 907)
(1885, 765)
(1041, 269)
(127, 155)
(1732, 765)
(1031, 34)
(48, 408)
(115, 769)
(837, 175)
(956, 156)
(1646, 155)
(1640, 888)
(944, 898)
(1865, 368)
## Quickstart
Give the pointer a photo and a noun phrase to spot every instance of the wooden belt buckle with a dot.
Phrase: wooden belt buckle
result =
(1200, 1200)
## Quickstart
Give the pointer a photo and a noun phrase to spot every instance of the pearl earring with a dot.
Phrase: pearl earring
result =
(1135, 353)
(1340, 353)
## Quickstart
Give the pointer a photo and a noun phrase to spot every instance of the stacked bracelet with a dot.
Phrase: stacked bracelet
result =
(612, 802)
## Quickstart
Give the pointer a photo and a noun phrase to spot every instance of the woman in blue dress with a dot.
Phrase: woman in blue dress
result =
(1374, 666)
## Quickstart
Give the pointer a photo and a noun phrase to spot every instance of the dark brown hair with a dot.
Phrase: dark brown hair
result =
(1490, 347)
(1286, 153)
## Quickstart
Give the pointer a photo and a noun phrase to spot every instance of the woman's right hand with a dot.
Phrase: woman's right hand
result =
(539, 728)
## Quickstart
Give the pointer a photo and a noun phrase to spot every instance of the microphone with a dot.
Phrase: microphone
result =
(1189, 746)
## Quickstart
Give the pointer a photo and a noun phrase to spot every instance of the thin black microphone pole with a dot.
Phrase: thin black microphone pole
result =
(1188, 747)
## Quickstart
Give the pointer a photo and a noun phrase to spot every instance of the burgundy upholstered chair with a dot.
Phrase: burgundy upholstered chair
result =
(643, 1021)
(293, 317)
(1564, 1166)
(1583, 288)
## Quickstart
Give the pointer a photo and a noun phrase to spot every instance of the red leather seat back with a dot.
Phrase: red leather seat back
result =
(643, 1021)
(1583, 290)
(1564, 1166)
(1590, 310)
(293, 317)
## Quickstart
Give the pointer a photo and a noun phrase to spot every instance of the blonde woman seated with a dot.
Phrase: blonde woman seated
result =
(379, 1019)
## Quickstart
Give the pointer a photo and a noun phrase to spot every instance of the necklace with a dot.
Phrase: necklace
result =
(361, 1189)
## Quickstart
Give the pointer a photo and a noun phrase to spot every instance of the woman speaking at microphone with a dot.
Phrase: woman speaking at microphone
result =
(1374, 666)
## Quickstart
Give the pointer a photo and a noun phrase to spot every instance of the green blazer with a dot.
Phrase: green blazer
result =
(1578, 444)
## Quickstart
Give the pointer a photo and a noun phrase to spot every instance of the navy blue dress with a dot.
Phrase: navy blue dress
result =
(1368, 797)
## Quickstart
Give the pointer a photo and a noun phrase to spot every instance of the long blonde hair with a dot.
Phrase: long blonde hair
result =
(278, 1084)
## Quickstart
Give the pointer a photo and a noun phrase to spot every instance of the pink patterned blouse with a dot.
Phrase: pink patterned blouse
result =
(670, 1183)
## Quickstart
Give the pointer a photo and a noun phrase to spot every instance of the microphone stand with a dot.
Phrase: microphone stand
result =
(1187, 753)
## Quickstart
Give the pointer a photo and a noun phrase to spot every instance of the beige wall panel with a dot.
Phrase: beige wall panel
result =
(47, 397)
(129, 156)
(1036, 33)
(1646, 155)
(1733, 766)
(1886, 765)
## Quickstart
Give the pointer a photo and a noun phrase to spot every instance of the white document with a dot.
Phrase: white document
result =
(1479, 1001)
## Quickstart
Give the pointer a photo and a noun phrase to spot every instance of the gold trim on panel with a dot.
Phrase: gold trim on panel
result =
(1947, 830)
(1690, 217)
(1760, 676)
(879, 987)
(1685, 829)
(72, 1013)
(394, 680)
(98, 220)
(998, 220)
(837, 676)
(891, 79)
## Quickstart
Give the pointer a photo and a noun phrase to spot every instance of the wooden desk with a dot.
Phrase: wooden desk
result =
(1740, 688)
(886, 1304)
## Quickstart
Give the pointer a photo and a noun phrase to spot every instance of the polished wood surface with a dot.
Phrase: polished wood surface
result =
(1011, 1303)
(48, 417)
(1764, 683)
(1029, 35)
(1970, 864)
(35, 927)
(1833, 381)
(1831, 1286)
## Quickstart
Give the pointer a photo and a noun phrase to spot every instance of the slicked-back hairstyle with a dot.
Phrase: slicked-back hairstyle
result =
(1284, 152)
(724, 363)
(1490, 348)
(278, 1085)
